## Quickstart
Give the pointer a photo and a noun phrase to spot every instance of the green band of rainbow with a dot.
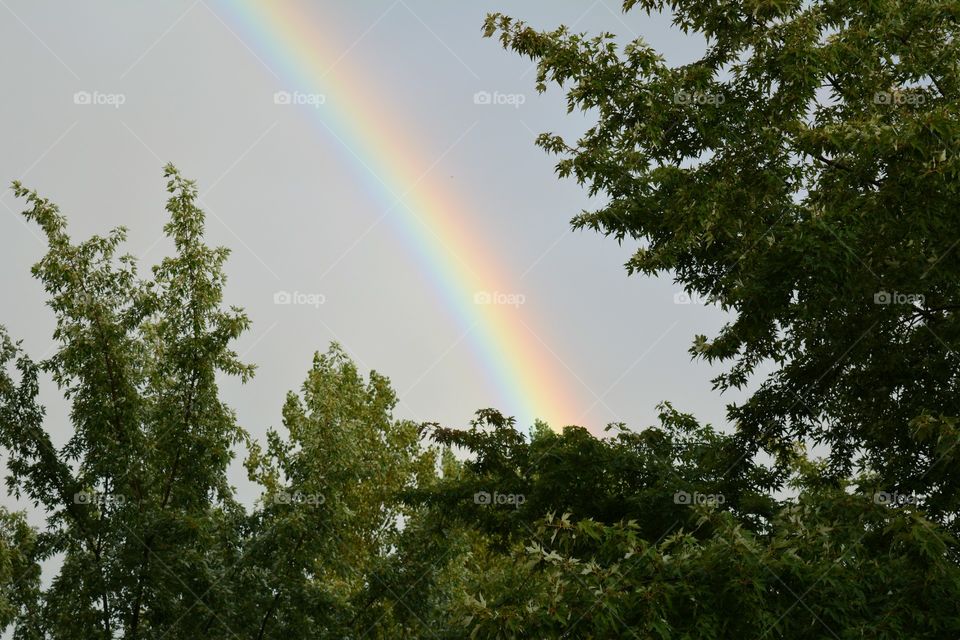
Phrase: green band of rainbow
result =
(432, 223)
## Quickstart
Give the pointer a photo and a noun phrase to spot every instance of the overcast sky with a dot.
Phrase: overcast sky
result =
(188, 82)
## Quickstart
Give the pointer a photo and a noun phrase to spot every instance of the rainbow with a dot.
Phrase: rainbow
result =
(432, 223)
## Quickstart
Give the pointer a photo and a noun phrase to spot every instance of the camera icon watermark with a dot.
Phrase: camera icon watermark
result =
(85, 299)
(299, 298)
(514, 100)
(682, 297)
(899, 98)
(499, 298)
(687, 498)
(698, 98)
(487, 499)
(894, 498)
(99, 499)
(314, 100)
(310, 499)
(895, 297)
(98, 98)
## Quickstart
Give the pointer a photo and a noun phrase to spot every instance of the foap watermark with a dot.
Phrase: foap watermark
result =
(497, 297)
(312, 499)
(495, 498)
(106, 299)
(99, 98)
(314, 100)
(899, 97)
(682, 297)
(299, 298)
(699, 98)
(895, 498)
(496, 98)
(99, 499)
(687, 498)
(895, 297)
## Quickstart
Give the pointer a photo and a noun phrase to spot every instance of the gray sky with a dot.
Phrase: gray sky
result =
(300, 213)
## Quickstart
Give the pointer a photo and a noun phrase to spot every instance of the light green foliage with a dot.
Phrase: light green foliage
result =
(331, 510)
(19, 574)
(149, 539)
(137, 499)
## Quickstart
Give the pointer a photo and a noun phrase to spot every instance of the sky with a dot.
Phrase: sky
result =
(372, 167)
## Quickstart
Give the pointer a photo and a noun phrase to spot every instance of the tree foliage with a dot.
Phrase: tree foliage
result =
(802, 173)
(148, 538)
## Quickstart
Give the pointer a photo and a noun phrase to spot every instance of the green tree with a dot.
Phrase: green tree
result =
(835, 565)
(332, 506)
(142, 528)
(364, 530)
(137, 499)
(508, 481)
(643, 554)
(19, 574)
(803, 173)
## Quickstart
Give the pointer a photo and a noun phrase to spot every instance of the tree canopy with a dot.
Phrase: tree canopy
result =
(802, 172)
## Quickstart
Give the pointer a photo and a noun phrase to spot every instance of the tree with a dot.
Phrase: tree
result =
(332, 506)
(802, 173)
(835, 565)
(508, 482)
(148, 538)
(661, 542)
(137, 500)
(19, 574)
(365, 530)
